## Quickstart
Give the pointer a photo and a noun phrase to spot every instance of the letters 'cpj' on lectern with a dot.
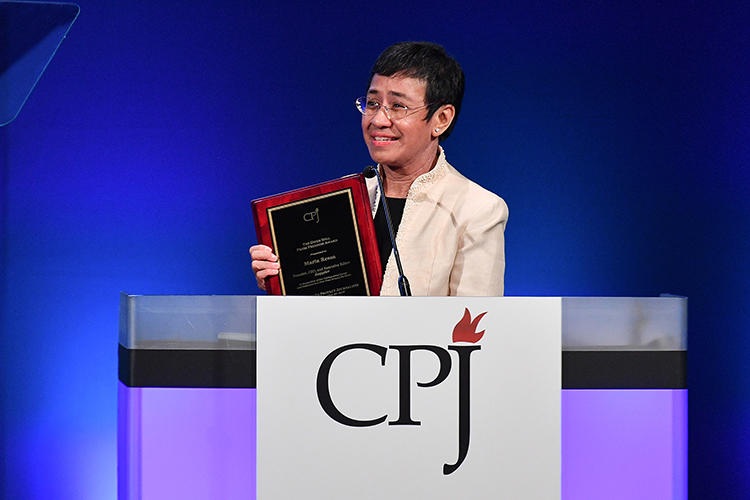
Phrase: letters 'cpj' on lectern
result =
(324, 238)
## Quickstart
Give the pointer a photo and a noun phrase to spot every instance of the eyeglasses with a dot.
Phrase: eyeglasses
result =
(370, 107)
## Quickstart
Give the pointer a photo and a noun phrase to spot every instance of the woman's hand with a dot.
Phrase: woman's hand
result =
(265, 264)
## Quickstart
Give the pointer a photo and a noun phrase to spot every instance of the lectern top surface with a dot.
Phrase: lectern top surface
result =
(217, 322)
(187, 322)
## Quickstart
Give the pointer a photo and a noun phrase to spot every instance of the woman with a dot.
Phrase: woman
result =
(449, 229)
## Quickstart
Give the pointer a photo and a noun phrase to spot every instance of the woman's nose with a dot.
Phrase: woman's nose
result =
(381, 118)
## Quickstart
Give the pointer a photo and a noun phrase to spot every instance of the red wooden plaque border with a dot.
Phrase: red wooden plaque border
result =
(355, 182)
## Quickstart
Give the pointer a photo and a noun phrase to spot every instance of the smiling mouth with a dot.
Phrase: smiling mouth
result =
(383, 139)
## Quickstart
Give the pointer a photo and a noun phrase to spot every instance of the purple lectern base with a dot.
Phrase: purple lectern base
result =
(186, 443)
(200, 443)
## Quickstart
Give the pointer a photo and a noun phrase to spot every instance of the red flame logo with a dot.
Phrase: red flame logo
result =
(466, 329)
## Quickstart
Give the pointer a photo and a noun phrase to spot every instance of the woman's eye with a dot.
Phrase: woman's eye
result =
(372, 104)
(399, 106)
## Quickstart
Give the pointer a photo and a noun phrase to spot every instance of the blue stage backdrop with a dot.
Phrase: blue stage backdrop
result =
(618, 135)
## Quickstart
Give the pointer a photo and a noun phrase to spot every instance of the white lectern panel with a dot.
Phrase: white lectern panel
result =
(402, 398)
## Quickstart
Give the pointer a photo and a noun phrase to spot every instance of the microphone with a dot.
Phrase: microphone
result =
(403, 283)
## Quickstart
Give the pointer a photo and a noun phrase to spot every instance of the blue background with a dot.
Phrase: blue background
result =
(618, 135)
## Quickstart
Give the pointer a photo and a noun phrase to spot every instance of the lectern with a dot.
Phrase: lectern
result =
(187, 393)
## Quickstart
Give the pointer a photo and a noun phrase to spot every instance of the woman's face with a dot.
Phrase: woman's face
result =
(404, 143)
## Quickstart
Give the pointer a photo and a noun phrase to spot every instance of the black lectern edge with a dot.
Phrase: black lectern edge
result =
(234, 368)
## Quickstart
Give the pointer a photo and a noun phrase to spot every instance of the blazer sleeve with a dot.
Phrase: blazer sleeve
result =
(479, 266)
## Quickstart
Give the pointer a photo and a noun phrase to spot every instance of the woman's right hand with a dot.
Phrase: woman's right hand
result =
(265, 264)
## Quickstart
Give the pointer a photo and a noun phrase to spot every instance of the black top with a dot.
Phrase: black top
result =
(396, 208)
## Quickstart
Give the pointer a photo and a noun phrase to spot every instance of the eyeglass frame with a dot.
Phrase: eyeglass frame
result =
(407, 110)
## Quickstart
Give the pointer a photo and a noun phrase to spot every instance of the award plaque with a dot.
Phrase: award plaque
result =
(324, 238)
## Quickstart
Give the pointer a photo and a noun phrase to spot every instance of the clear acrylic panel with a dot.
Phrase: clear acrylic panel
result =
(30, 34)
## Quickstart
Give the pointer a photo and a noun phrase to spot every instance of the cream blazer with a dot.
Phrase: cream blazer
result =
(451, 236)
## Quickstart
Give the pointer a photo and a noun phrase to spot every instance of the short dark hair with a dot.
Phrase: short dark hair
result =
(428, 62)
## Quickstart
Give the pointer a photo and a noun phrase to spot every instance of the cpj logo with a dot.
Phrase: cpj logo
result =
(464, 331)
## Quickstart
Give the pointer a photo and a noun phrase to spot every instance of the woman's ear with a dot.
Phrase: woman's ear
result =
(442, 119)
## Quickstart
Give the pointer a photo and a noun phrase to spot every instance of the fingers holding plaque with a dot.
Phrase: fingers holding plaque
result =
(324, 238)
